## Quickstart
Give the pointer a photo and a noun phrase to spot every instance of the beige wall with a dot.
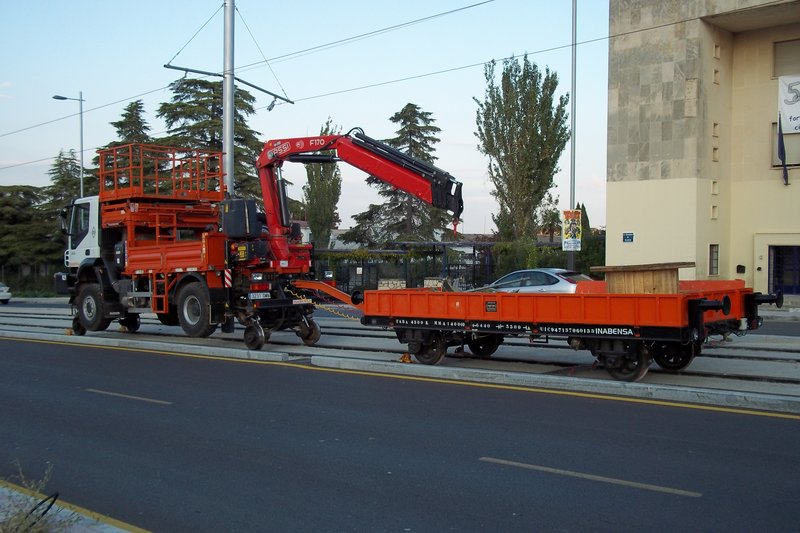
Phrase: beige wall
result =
(691, 104)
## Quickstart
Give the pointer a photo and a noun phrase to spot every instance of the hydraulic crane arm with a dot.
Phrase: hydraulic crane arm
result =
(414, 176)
(425, 181)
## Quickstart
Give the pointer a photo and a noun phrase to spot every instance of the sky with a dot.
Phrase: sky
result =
(114, 52)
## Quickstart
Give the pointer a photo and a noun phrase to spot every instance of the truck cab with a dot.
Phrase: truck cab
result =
(81, 224)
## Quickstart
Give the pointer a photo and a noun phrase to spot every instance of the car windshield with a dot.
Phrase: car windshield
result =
(574, 277)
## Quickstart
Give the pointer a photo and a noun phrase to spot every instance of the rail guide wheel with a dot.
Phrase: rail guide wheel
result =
(309, 332)
(254, 336)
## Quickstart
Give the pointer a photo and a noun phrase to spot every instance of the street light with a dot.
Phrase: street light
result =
(79, 99)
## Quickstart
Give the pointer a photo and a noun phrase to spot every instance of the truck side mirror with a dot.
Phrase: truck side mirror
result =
(62, 221)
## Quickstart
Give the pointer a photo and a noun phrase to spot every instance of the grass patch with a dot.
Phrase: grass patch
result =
(27, 509)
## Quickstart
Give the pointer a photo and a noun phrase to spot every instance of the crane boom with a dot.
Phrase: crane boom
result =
(405, 172)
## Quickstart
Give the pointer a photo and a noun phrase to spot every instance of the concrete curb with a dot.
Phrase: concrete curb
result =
(209, 351)
(554, 384)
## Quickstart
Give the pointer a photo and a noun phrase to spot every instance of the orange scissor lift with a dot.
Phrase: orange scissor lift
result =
(624, 331)
(164, 202)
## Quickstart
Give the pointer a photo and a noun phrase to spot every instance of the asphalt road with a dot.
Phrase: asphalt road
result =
(186, 444)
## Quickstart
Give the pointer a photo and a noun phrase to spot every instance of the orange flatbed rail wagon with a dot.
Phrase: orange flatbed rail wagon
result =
(625, 331)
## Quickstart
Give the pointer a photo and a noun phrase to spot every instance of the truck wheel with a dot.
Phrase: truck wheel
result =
(92, 308)
(169, 319)
(194, 312)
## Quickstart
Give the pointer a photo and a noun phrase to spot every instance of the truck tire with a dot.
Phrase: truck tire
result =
(169, 319)
(92, 308)
(194, 313)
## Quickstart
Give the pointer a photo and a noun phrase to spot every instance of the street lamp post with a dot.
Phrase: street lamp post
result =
(79, 99)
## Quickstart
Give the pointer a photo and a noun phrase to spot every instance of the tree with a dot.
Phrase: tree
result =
(29, 240)
(403, 216)
(132, 127)
(522, 129)
(550, 216)
(321, 194)
(194, 119)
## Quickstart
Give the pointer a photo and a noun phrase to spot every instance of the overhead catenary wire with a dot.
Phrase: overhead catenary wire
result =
(284, 57)
(262, 54)
(371, 85)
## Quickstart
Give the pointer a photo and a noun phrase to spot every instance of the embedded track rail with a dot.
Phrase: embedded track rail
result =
(339, 335)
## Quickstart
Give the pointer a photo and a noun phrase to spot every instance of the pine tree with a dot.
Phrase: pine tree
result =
(321, 194)
(194, 119)
(132, 127)
(402, 216)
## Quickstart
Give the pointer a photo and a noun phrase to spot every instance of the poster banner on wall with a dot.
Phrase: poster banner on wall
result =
(788, 115)
(571, 231)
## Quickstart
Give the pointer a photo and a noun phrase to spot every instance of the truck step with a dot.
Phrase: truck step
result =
(137, 294)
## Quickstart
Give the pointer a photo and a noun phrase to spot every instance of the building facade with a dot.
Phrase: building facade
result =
(693, 171)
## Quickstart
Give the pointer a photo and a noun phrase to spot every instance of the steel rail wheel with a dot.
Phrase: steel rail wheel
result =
(254, 336)
(484, 345)
(673, 356)
(434, 352)
(630, 367)
(309, 332)
(131, 322)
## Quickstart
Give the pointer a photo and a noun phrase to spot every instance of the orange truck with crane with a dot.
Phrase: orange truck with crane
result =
(163, 236)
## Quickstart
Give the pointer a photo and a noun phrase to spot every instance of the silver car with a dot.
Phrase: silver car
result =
(539, 280)
(5, 294)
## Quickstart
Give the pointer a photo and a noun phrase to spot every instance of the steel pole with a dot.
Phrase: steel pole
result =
(228, 89)
(571, 254)
(80, 112)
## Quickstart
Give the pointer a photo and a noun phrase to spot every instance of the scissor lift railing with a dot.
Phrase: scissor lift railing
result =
(143, 171)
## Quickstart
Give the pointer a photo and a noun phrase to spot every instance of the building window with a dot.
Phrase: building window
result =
(715, 129)
(715, 153)
(714, 212)
(717, 51)
(716, 76)
(791, 144)
(713, 259)
(714, 187)
(786, 58)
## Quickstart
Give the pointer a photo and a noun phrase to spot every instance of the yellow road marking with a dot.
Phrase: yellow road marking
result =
(538, 390)
(592, 477)
(128, 396)
(74, 508)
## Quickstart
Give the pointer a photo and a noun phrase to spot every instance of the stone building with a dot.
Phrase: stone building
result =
(693, 173)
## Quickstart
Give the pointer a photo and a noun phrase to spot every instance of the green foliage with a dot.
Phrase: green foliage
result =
(523, 130)
(132, 127)
(27, 237)
(402, 217)
(593, 245)
(321, 193)
(512, 255)
(194, 119)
